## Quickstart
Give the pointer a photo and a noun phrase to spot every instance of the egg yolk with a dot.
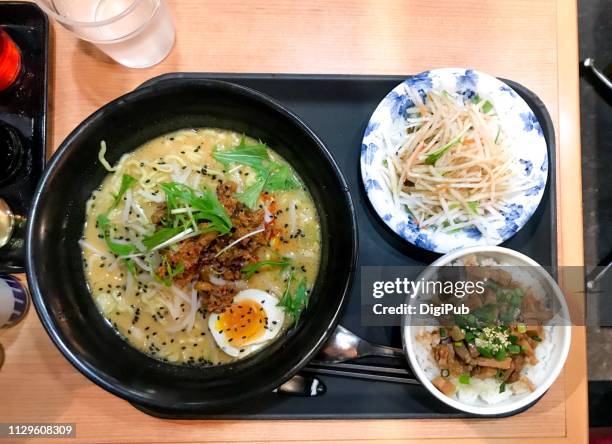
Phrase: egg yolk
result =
(242, 323)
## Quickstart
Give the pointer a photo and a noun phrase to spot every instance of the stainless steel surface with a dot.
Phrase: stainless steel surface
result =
(597, 275)
(359, 375)
(590, 64)
(7, 223)
(300, 385)
(344, 345)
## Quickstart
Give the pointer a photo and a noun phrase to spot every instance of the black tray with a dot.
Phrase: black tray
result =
(24, 107)
(338, 108)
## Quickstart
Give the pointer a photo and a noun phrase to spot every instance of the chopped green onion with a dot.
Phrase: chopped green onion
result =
(485, 351)
(536, 338)
(516, 297)
(435, 156)
(464, 378)
(500, 355)
(487, 107)
(514, 349)
(497, 135)
(521, 328)
(458, 344)
(442, 332)
(502, 387)
(473, 205)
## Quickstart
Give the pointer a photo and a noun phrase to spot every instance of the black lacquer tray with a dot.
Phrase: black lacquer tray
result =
(23, 107)
(338, 108)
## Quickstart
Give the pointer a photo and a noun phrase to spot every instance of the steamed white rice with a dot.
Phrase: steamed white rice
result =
(486, 391)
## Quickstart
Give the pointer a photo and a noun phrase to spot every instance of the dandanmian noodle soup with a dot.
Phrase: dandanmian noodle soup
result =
(201, 246)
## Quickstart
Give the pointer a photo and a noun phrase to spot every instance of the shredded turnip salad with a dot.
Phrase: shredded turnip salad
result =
(453, 167)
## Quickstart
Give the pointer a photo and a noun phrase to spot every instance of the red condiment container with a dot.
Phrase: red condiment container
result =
(10, 60)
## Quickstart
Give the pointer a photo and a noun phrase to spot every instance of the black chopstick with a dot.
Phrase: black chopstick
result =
(360, 375)
(361, 367)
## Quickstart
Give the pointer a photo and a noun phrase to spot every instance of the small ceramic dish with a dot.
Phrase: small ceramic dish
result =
(522, 131)
(552, 356)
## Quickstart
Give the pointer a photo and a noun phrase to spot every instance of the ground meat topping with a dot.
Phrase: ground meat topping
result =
(201, 256)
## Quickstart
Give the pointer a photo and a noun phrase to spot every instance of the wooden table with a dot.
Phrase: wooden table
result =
(531, 41)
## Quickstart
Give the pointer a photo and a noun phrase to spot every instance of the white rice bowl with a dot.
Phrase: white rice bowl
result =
(482, 396)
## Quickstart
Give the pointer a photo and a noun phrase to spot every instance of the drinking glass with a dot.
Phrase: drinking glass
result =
(136, 33)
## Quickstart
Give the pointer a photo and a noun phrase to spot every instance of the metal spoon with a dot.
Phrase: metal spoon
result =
(345, 345)
(590, 64)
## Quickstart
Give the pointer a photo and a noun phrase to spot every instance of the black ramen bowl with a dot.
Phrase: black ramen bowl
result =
(55, 265)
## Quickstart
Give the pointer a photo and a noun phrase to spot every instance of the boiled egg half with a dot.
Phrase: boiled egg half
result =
(252, 321)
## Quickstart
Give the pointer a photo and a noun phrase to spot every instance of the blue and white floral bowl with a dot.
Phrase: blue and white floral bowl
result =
(519, 124)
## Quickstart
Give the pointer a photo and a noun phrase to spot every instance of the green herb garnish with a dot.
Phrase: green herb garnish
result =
(281, 178)
(105, 226)
(271, 176)
(252, 155)
(161, 236)
(131, 266)
(435, 156)
(203, 206)
(170, 272)
(126, 182)
(116, 248)
(294, 303)
(464, 378)
(250, 269)
(250, 196)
